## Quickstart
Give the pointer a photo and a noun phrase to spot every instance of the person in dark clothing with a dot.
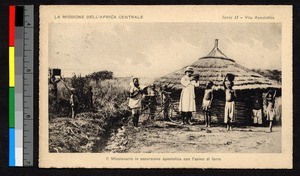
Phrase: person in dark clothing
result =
(166, 100)
(257, 111)
(152, 99)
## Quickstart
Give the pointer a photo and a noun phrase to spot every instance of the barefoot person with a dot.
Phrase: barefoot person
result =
(270, 102)
(230, 96)
(206, 103)
(135, 101)
(187, 103)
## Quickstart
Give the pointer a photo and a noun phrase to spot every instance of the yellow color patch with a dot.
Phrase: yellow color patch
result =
(11, 66)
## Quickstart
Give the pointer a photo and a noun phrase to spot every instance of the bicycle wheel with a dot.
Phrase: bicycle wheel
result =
(173, 112)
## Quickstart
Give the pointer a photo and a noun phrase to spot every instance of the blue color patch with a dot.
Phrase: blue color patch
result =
(12, 147)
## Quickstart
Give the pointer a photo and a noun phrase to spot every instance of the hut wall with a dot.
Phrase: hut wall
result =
(243, 106)
(242, 113)
(242, 109)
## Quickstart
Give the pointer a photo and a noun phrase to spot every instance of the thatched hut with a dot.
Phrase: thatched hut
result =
(214, 67)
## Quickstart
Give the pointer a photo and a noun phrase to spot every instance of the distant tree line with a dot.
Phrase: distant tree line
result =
(271, 74)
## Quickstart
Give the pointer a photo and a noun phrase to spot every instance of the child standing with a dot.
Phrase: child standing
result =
(165, 99)
(270, 103)
(73, 103)
(152, 98)
(257, 112)
(230, 96)
(206, 103)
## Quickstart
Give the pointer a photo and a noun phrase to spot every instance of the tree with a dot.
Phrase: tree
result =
(101, 75)
(271, 74)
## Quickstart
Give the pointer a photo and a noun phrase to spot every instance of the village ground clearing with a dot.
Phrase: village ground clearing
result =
(168, 137)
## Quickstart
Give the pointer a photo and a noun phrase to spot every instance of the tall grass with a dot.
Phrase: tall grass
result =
(112, 94)
(88, 129)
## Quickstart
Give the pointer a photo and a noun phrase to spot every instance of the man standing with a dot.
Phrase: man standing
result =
(53, 89)
(135, 101)
(187, 103)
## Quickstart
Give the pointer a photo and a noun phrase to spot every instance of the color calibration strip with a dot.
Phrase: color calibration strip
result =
(12, 158)
(21, 85)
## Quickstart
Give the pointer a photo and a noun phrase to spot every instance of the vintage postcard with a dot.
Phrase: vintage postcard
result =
(166, 87)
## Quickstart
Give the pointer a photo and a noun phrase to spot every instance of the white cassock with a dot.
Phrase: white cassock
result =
(187, 98)
(135, 102)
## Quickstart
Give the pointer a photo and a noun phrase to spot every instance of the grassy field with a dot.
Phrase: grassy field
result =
(88, 130)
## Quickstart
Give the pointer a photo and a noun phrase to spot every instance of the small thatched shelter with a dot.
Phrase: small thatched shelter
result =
(214, 67)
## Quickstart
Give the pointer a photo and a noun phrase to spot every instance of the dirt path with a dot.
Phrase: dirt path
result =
(167, 137)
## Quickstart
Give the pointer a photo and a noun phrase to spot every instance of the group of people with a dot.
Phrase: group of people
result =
(187, 103)
(53, 90)
(73, 100)
(137, 103)
(264, 106)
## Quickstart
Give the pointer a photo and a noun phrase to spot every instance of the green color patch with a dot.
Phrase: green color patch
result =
(11, 107)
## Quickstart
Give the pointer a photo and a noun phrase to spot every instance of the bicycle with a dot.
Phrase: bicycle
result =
(156, 109)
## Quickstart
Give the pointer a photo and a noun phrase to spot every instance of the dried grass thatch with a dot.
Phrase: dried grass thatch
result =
(214, 67)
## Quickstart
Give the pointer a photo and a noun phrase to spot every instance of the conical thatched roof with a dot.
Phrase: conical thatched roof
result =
(214, 67)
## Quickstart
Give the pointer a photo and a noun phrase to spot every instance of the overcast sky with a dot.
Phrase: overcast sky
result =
(156, 49)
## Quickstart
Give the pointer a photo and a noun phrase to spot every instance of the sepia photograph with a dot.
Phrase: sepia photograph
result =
(163, 87)
(135, 88)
